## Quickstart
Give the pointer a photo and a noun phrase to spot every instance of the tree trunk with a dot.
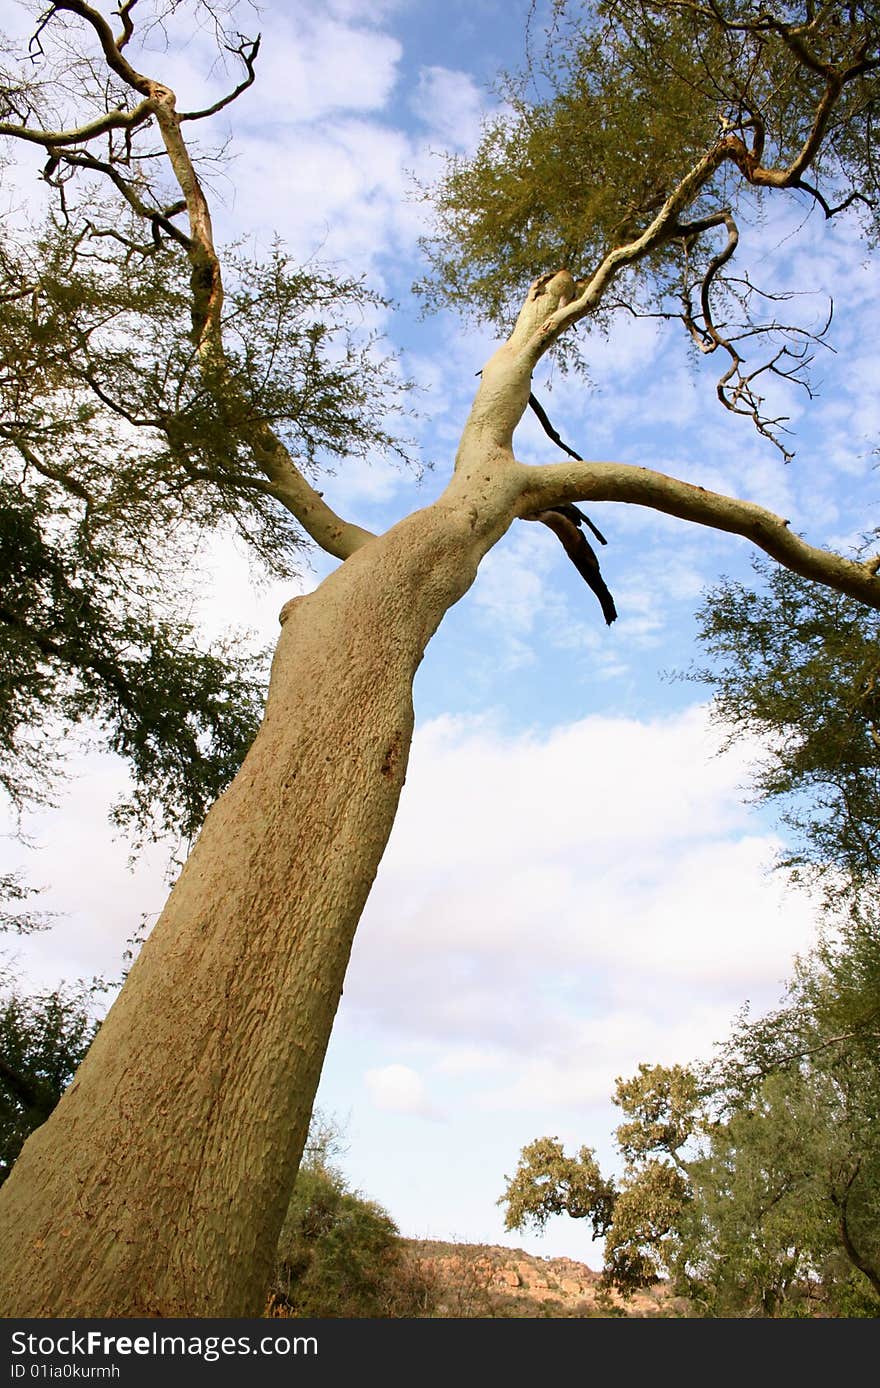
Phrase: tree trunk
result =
(159, 1184)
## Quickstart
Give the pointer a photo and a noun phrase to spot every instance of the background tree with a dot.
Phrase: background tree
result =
(43, 1038)
(812, 1066)
(799, 667)
(547, 1183)
(636, 1215)
(169, 1162)
(753, 1183)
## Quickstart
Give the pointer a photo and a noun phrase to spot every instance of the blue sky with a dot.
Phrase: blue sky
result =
(575, 883)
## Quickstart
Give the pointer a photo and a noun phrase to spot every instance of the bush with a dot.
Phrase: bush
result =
(342, 1256)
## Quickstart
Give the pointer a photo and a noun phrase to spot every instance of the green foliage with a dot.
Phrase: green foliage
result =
(43, 1038)
(661, 1103)
(119, 459)
(128, 443)
(82, 642)
(648, 1209)
(810, 1070)
(547, 1182)
(615, 108)
(340, 1255)
(752, 1184)
(799, 667)
(784, 1215)
(587, 145)
(13, 890)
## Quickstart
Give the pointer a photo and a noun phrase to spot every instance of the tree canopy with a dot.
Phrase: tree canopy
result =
(121, 455)
(638, 141)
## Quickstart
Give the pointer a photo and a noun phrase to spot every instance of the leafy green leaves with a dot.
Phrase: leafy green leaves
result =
(751, 1183)
(607, 122)
(547, 1182)
(799, 666)
(43, 1038)
(118, 459)
(78, 648)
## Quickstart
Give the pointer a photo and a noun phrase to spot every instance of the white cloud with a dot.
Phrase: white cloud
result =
(85, 877)
(582, 1070)
(553, 908)
(311, 64)
(399, 1089)
(450, 105)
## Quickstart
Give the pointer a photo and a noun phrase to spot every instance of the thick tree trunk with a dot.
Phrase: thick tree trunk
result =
(159, 1184)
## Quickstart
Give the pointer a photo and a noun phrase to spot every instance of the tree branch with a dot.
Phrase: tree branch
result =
(113, 120)
(543, 487)
(110, 46)
(663, 228)
(124, 13)
(285, 482)
(84, 160)
(247, 51)
(841, 1201)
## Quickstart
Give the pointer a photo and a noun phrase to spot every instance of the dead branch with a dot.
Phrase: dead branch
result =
(555, 483)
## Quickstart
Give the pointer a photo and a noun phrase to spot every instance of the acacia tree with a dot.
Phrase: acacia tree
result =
(751, 1184)
(159, 1185)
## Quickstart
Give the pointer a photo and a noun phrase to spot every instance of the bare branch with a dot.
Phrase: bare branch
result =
(84, 160)
(113, 120)
(286, 483)
(110, 46)
(124, 13)
(841, 206)
(247, 50)
(543, 487)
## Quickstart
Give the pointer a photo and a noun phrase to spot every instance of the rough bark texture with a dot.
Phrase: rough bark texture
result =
(160, 1182)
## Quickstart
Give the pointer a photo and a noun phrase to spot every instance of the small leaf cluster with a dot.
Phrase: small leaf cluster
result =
(43, 1038)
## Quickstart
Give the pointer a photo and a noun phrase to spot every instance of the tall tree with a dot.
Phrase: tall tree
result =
(160, 1182)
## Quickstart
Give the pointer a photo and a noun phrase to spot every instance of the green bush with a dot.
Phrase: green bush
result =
(342, 1256)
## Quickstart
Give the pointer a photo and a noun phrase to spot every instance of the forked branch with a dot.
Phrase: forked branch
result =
(70, 150)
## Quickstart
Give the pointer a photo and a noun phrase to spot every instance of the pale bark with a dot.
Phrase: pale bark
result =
(159, 1183)
(641, 486)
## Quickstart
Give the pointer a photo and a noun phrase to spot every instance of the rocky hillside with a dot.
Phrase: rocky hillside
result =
(480, 1280)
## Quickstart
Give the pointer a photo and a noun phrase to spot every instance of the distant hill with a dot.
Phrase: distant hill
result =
(482, 1280)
